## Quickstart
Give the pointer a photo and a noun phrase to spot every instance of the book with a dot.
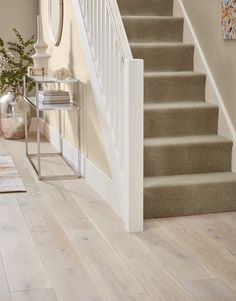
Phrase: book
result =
(53, 92)
(54, 97)
(55, 100)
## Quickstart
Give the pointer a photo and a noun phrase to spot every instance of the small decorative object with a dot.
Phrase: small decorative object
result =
(228, 19)
(55, 20)
(12, 70)
(62, 73)
(34, 71)
(40, 57)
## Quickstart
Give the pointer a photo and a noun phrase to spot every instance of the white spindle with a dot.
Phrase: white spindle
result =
(102, 44)
(109, 67)
(113, 81)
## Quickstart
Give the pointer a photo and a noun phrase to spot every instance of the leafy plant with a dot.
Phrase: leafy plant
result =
(14, 61)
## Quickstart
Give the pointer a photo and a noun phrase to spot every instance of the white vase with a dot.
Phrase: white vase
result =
(40, 57)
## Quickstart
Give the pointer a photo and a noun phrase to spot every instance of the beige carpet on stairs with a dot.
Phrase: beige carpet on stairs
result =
(187, 166)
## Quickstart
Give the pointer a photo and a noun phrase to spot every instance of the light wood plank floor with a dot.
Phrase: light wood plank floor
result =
(61, 242)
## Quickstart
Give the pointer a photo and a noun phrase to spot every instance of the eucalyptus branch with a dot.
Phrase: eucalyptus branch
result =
(14, 61)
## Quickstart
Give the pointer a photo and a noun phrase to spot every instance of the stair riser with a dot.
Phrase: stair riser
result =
(180, 122)
(168, 201)
(147, 7)
(149, 30)
(174, 88)
(169, 58)
(177, 159)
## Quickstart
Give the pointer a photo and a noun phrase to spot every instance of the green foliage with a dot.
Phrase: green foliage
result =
(14, 61)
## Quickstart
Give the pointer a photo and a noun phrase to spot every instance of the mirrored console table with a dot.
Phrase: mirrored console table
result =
(39, 107)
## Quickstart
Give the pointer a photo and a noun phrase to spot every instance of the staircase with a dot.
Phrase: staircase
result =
(187, 166)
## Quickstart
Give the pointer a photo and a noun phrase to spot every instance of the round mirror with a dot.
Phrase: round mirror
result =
(55, 13)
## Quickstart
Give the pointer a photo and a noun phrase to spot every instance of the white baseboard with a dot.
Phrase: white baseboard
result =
(101, 183)
(225, 125)
(33, 125)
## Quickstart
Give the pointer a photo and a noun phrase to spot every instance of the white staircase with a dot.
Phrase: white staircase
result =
(117, 83)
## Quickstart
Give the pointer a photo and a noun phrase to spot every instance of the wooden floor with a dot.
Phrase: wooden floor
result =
(59, 241)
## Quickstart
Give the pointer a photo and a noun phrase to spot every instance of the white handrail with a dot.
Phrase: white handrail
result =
(117, 82)
(119, 29)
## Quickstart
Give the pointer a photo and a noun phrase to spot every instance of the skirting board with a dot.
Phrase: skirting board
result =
(100, 182)
(33, 125)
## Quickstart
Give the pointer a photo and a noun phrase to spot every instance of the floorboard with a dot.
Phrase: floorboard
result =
(4, 289)
(178, 261)
(22, 264)
(37, 295)
(210, 290)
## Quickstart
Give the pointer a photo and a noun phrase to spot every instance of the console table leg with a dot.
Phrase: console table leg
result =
(60, 134)
(26, 123)
(79, 142)
(38, 145)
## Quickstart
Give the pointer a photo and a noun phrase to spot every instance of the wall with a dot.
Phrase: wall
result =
(19, 14)
(69, 54)
(205, 17)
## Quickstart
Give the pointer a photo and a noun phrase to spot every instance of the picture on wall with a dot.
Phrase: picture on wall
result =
(228, 19)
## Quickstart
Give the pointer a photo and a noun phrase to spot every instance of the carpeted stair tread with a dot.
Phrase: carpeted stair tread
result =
(178, 105)
(180, 119)
(208, 139)
(161, 45)
(146, 7)
(186, 155)
(164, 56)
(174, 86)
(153, 28)
(189, 194)
(190, 179)
(174, 74)
(150, 18)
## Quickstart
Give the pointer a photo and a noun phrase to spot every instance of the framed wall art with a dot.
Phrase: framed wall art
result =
(228, 19)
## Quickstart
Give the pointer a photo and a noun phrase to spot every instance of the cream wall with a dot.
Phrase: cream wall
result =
(205, 17)
(69, 54)
(20, 14)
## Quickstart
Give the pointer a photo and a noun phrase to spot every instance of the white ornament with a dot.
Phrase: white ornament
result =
(62, 73)
(40, 57)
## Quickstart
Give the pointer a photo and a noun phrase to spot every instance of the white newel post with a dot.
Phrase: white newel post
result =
(133, 144)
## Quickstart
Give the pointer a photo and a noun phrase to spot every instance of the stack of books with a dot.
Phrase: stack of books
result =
(54, 97)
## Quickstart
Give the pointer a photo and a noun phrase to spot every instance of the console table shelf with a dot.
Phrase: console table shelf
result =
(38, 106)
(32, 100)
